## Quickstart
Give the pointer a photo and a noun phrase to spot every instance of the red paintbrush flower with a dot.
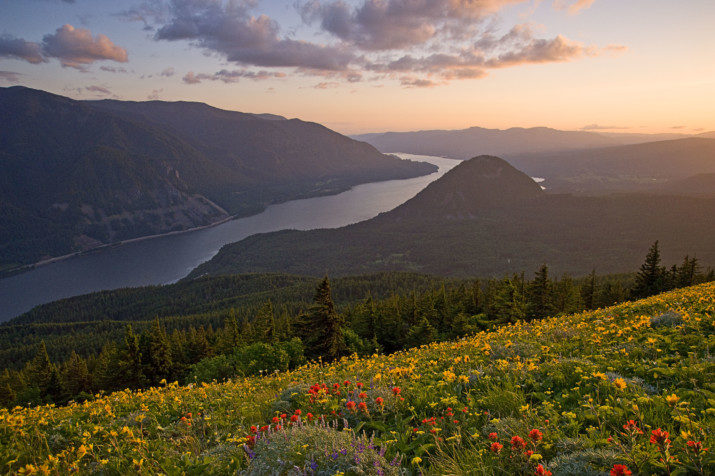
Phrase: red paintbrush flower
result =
(620, 470)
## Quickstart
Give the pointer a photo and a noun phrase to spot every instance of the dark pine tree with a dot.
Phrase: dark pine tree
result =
(75, 377)
(540, 295)
(688, 272)
(131, 373)
(322, 326)
(588, 292)
(160, 362)
(650, 279)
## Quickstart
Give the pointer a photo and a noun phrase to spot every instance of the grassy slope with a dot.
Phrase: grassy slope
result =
(561, 376)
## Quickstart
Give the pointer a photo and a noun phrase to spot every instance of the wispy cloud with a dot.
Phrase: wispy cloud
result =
(573, 6)
(598, 127)
(231, 76)
(10, 76)
(73, 47)
(101, 90)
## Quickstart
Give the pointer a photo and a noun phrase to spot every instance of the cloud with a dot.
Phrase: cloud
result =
(229, 29)
(396, 24)
(326, 85)
(418, 43)
(154, 95)
(555, 50)
(411, 82)
(11, 47)
(231, 76)
(168, 72)
(615, 49)
(75, 47)
(113, 69)
(10, 76)
(517, 47)
(597, 127)
(190, 78)
(99, 90)
(573, 7)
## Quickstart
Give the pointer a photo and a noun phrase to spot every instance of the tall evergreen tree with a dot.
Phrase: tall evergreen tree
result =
(508, 303)
(265, 324)
(540, 295)
(322, 325)
(106, 366)
(650, 278)
(131, 373)
(422, 333)
(588, 292)
(688, 272)
(160, 362)
(75, 376)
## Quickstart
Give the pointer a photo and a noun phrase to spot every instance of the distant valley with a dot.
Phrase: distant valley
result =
(570, 161)
(486, 218)
(78, 174)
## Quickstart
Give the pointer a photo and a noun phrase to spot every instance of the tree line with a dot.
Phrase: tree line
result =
(275, 338)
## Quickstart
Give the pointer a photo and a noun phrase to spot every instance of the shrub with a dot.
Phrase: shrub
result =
(318, 450)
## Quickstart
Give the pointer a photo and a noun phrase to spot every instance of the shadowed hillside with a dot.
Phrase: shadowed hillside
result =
(474, 221)
(75, 175)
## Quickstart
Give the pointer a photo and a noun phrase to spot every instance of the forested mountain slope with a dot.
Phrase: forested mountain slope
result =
(75, 175)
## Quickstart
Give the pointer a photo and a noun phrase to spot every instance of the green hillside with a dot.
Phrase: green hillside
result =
(621, 388)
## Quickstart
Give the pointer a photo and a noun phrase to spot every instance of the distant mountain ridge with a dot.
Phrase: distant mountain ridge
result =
(515, 141)
(78, 174)
(465, 143)
(453, 229)
(635, 167)
(570, 161)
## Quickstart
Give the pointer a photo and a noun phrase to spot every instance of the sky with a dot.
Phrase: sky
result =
(375, 65)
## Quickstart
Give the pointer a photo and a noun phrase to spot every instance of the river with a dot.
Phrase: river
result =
(166, 259)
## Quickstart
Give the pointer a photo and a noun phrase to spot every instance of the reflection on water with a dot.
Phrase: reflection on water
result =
(166, 259)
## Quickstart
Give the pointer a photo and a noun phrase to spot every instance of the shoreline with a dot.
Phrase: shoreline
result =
(55, 259)
(28, 267)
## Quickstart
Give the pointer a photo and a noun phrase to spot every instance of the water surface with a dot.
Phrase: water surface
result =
(166, 259)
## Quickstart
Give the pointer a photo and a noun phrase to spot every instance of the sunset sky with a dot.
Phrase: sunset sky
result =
(375, 65)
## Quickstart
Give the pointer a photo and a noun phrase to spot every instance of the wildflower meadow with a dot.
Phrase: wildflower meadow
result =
(621, 390)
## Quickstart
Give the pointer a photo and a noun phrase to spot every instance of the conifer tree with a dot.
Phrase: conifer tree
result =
(508, 303)
(265, 324)
(588, 292)
(687, 273)
(422, 333)
(650, 278)
(130, 362)
(322, 325)
(106, 366)
(75, 378)
(540, 295)
(160, 362)
(7, 393)
(40, 366)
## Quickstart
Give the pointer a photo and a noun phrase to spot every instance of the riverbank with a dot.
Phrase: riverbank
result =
(167, 258)
(335, 189)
